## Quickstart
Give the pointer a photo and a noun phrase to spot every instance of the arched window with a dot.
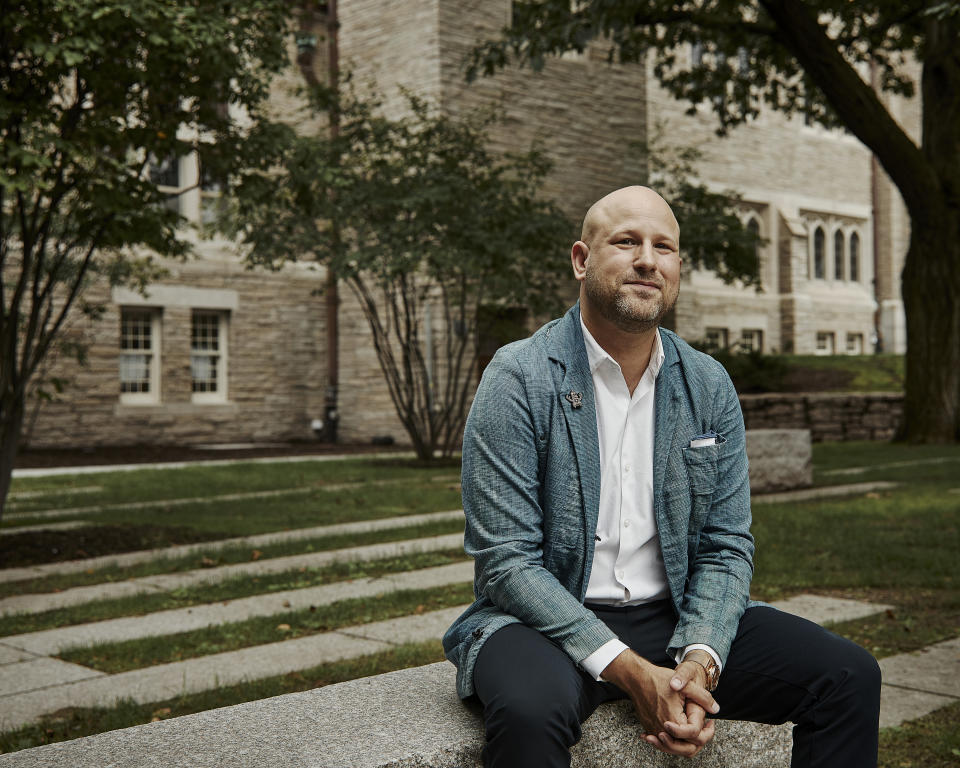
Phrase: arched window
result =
(855, 257)
(819, 246)
(838, 255)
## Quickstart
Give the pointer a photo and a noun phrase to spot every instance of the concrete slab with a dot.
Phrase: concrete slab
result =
(935, 669)
(408, 629)
(207, 672)
(828, 610)
(259, 540)
(404, 719)
(779, 459)
(64, 526)
(897, 705)
(100, 469)
(892, 465)
(53, 641)
(37, 673)
(159, 503)
(11, 655)
(822, 492)
(14, 496)
(75, 596)
(166, 582)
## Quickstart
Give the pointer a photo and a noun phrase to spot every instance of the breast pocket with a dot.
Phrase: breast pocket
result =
(701, 465)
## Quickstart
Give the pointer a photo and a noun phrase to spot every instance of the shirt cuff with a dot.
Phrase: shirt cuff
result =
(699, 647)
(597, 661)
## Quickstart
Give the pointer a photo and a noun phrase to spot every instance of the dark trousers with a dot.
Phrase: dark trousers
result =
(780, 668)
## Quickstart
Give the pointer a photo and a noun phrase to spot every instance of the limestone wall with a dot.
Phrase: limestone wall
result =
(274, 382)
(829, 417)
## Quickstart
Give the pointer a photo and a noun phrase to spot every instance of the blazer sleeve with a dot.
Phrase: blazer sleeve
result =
(504, 519)
(718, 587)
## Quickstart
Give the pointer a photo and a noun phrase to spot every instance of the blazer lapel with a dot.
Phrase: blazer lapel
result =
(575, 399)
(667, 402)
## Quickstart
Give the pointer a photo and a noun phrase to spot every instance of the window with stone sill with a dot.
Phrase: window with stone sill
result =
(139, 358)
(166, 174)
(716, 338)
(751, 340)
(208, 355)
(826, 343)
(854, 343)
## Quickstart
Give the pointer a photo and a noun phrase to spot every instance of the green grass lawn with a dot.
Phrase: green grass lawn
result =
(896, 546)
(863, 373)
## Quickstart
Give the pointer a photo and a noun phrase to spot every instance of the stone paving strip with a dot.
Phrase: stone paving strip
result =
(259, 540)
(16, 496)
(915, 684)
(25, 701)
(166, 582)
(102, 468)
(51, 642)
(160, 503)
(891, 465)
(223, 669)
(822, 492)
(64, 526)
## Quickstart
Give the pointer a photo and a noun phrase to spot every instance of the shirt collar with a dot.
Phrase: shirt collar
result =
(597, 355)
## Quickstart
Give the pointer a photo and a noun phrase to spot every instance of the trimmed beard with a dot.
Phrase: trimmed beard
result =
(617, 309)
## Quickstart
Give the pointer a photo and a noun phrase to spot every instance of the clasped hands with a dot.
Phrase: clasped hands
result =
(671, 704)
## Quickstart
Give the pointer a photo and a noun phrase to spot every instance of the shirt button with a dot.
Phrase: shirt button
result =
(626, 523)
(620, 575)
(626, 467)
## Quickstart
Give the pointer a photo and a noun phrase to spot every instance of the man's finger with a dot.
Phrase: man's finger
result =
(695, 715)
(702, 697)
(687, 732)
(678, 746)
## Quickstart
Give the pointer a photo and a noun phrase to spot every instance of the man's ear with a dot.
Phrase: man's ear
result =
(578, 259)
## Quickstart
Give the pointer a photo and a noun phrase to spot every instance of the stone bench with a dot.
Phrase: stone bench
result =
(404, 719)
(780, 459)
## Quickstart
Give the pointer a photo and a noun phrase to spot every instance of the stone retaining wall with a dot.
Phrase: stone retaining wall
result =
(829, 416)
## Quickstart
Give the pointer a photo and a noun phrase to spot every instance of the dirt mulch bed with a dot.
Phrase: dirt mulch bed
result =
(39, 547)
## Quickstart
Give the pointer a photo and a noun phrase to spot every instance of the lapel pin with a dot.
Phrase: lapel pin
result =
(574, 398)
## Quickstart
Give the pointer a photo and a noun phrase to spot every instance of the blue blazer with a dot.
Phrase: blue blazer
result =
(531, 490)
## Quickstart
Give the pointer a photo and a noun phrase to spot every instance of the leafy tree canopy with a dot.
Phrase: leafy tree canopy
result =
(92, 92)
(830, 60)
(418, 216)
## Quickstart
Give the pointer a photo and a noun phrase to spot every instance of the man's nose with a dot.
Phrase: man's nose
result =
(643, 257)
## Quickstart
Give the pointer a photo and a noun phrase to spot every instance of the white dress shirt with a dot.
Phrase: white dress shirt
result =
(628, 566)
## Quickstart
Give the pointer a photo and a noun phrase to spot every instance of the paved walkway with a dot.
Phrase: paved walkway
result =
(914, 684)
(166, 582)
(101, 468)
(54, 641)
(821, 492)
(299, 534)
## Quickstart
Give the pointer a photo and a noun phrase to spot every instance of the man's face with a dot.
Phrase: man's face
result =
(629, 259)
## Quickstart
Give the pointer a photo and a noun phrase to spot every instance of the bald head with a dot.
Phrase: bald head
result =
(622, 204)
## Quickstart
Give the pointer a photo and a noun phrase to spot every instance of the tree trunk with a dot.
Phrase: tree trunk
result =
(11, 422)
(931, 299)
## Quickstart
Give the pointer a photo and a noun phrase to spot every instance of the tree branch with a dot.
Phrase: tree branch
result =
(856, 103)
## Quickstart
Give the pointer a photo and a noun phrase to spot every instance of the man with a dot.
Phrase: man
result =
(608, 511)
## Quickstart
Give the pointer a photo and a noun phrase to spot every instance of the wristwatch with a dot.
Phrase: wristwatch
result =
(710, 667)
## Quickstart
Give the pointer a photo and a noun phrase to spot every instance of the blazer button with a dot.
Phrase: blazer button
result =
(477, 634)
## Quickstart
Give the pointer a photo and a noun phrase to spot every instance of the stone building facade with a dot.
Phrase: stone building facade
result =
(238, 355)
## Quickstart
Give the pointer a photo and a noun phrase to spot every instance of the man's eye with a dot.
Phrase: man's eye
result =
(626, 241)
